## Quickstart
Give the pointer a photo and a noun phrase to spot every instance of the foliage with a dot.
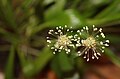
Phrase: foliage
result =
(23, 26)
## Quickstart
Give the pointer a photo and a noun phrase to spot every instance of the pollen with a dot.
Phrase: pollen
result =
(63, 40)
(89, 42)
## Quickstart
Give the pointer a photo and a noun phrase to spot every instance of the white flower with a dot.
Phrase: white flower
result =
(92, 44)
(59, 39)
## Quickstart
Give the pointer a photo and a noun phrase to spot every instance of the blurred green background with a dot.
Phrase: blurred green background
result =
(23, 29)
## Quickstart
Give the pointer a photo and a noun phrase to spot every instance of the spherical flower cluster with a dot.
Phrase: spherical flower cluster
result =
(60, 40)
(90, 42)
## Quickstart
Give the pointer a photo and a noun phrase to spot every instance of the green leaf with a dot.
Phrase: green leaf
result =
(7, 13)
(9, 36)
(75, 18)
(64, 62)
(68, 17)
(34, 67)
(27, 3)
(109, 10)
(2, 31)
(43, 59)
(54, 10)
(61, 19)
(75, 3)
(46, 2)
(56, 67)
(105, 16)
(115, 59)
(21, 55)
(10, 64)
(27, 66)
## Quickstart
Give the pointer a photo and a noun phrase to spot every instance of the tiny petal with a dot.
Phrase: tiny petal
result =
(97, 36)
(93, 57)
(101, 42)
(53, 52)
(107, 41)
(55, 49)
(60, 27)
(106, 44)
(78, 31)
(56, 32)
(86, 28)
(85, 52)
(83, 27)
(52, 47)
(103, 47)
(102, 34)
(70, 36)
(79, 52)
(84, 57)
(68, 29)
(95, 29)
(57, 28)
(78, 45)
(65, 26)
(82, 30)
(88, 59)
(100, 30)
(99, 54)
(48, 41)
(102, 50)
(68, 50)
(47, 37)
(61, 47)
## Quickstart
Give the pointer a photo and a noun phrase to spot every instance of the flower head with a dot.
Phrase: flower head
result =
(59, 39)
(92, 44)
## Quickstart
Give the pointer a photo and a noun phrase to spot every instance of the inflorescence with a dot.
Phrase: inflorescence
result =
(89, 42)
(93, 43)
(60, 40)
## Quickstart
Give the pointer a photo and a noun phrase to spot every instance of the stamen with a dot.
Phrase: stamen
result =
(100, 30)
(63, 41)
(68, 30)
(106, 44)
(91, 42)
(78, 31)
(65, 26)
(93, 26)
(102, 51)
(78, 51)
(82, 30)
(88, 59)
(57, 28)
(60, 27)
(53, 52)
(101, 42)
(48, 41)
(102, 34)
(86, 28)
(95, 29)
(52, 47)
(103, 47)
(47, 37)
(107, 41)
